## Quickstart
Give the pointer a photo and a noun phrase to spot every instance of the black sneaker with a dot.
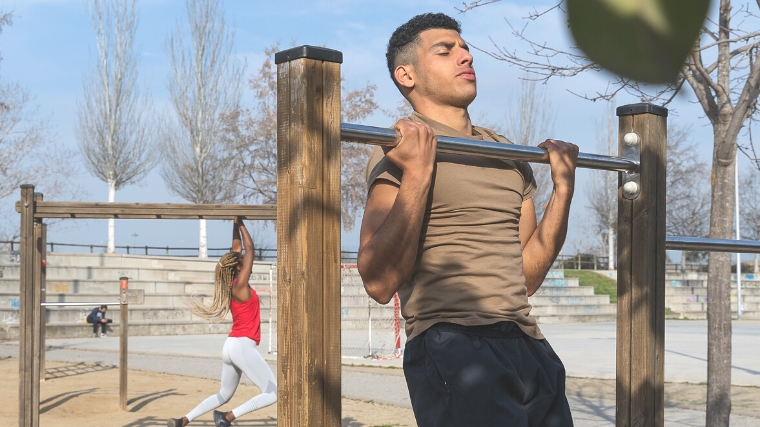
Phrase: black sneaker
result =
(220, 420)
(173, 422)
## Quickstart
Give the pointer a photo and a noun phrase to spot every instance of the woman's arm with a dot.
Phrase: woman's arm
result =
(241, 292)
(237, 246)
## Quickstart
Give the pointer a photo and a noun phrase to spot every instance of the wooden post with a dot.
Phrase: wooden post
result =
(123, 342)
(29, 375)
(641, 269)
(40, 262)
(308, 237)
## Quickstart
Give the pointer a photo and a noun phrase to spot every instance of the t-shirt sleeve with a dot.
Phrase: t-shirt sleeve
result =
(530, 180)
(524, 167)
(379, 167)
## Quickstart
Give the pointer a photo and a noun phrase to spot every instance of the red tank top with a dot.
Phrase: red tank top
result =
(246, 318)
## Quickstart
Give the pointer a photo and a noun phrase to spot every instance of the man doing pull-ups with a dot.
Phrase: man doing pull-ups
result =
(456, 237)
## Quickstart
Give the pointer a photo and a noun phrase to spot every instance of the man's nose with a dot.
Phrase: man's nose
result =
(466, 58)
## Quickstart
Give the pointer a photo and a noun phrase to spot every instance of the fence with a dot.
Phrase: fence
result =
(261, 254)
(582, 262)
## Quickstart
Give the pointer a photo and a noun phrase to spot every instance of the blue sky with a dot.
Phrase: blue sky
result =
(47, 50)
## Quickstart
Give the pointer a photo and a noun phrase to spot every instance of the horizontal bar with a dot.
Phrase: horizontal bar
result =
(76, 304)
(100, 210)
(473, 147)
(681, 243)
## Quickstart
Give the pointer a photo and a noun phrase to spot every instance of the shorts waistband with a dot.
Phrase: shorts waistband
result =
(500, 329)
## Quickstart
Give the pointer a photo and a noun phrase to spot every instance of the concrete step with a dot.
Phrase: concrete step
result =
(570, 281)
(570, 310)
(576, 318)
(77, 315)
(548, 290)
(689, 307)
(678, 299)
(540, 301)
(127, 261)
(702, 290)
(702, 315)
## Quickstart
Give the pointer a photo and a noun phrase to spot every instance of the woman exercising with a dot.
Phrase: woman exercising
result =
(232, 294)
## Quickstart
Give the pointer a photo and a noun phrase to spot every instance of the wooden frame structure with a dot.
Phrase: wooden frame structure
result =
(308, 236)
(33, 236)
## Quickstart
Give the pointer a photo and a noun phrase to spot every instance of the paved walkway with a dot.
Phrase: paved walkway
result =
(588, 351)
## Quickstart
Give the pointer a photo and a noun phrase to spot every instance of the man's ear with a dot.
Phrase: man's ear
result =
(404, 75)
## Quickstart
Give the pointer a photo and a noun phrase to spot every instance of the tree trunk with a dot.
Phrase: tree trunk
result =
(719, 295)
(111, 222)
(203, 241)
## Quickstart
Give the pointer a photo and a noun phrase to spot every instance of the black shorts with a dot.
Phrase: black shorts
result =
(494, 375)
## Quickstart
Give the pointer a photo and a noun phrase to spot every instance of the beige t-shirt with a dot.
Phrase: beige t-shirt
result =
(469, 266)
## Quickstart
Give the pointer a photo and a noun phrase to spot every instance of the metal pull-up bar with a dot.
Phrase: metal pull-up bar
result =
(350, 132)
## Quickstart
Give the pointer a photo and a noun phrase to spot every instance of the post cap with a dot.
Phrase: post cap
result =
(642, 108)
(310, 52)
(25, 186)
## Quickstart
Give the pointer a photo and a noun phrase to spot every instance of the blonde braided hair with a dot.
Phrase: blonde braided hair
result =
(225, 272)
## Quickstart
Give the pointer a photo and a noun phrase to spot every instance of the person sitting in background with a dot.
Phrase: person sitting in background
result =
(98, 317)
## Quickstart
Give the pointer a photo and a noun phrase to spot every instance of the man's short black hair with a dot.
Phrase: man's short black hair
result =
(104, 306)
(405, 38)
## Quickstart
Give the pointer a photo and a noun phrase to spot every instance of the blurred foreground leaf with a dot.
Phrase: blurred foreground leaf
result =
(645, 40)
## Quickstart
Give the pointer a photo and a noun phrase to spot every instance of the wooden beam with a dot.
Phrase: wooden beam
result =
(123, 341)
(96, 210)
(308, 236)
(29, 385)
(39, 295)
(641, 274)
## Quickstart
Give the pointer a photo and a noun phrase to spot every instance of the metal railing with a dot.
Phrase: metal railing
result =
(350, 132)
(77, 304)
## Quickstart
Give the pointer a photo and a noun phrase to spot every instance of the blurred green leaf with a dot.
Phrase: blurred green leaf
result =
(645, 40)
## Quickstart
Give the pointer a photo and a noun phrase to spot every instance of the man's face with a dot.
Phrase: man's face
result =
(444, 71)
(103, 309)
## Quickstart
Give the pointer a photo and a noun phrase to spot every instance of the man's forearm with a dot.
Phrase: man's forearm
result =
(547, 240)
(388, 258)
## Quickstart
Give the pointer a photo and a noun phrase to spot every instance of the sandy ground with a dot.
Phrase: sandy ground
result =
(86, 395)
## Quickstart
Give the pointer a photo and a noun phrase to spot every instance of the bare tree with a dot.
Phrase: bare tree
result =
(529, 120)
(602, 191)
(687, 190)
(723, 72)
(205, 85)
(254, 133)
(750, 208)
(114, 120)
(28, 153)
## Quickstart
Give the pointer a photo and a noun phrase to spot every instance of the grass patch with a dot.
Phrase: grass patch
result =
(602, 285)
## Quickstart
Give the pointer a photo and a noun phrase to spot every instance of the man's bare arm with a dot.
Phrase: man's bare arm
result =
(542, 246)
(392, 221)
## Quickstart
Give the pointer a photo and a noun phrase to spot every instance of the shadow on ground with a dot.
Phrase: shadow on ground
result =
(154, 421)
(145, 399)
(77, 369)
(60, 399)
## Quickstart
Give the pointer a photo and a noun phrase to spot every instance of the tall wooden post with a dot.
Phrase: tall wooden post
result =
(123, 341)
(308, 237)
(40, 262)
(29, 368)
(641, 268)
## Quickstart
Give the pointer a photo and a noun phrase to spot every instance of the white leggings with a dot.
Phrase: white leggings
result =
(240, 355)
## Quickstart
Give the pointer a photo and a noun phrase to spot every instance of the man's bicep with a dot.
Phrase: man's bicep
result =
(382, 196)
(527, 221)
